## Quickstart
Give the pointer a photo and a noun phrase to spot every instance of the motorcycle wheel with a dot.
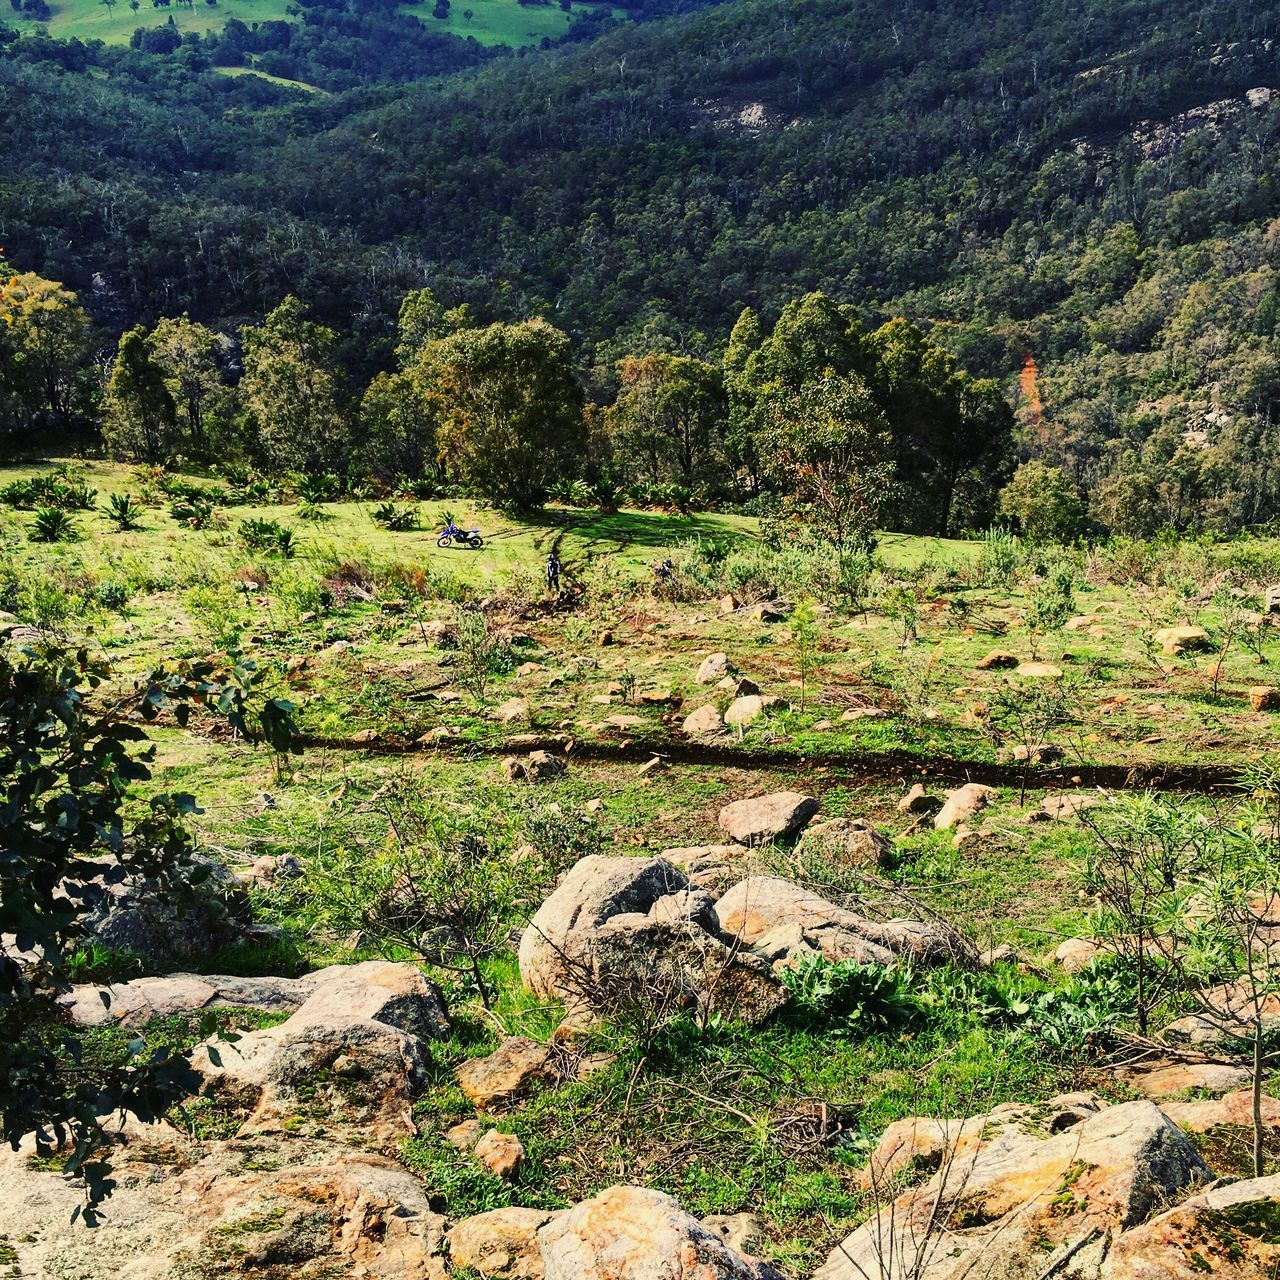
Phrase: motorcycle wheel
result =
(476, 542)
(444, 542)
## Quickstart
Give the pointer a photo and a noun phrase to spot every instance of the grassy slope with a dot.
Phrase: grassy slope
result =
(493, 21)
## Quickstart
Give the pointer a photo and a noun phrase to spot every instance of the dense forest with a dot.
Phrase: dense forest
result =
(1083, 198)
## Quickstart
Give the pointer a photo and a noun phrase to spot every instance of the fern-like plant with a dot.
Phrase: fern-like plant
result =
(52, 524)
(122, 511)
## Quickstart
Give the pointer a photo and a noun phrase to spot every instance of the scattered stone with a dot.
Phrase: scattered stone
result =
(512, 1068)
(363, 737)
(705, 722)
(1229, 1015)
(998, 659)
(714, 667)
(1271, 599)
(1035, 753)
(918, 800)
(605, 639)
(650, 767)
(1075, 954)
(1175, 641)
(1003, 954)
(739, 686)
(1263, 697)
(502, 1243)
(714, 867)
(513, 711)
(763, 818)
(632, 1233)
(862, 713)
(1038, 670)
(742, 711)
(464, 1135)
(963, 802)
(1068, 804)
(625, 722)
(538, 766)
(527, 669)
(501, 1153)
(727, 605)
(766, 612)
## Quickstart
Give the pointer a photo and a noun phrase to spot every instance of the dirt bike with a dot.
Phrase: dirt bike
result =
(463, 537)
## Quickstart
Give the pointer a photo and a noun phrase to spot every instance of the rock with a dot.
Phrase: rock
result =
(656, 765)
(779, 919)
(506, 1073)
(763, 818)
(713, 867)
(501, 1243)
(538, 766)
(1173, 1079)
(605, 639)
(377, 1015)
(1263, 697)
(1038, 670)
(1014, 1200)
(263, 1206)
(1271, 599)
(362, 737)
(267, 871)
(513, 711)
(464, 1135)
(853, 842)
(166, 925)
(739, 686)
(1230, 1009)
(1176, 641)
(1068, 804)
(1260, 97)
(742, 711)
(135, 1003)
(1232, 1110)
(727, 605)
(501, 1153)
(632, 1233)
(1003, 954)
(1035, 753)
(963, 802)
(527, 669)
(1076, 954)
(714, 667)
(861, 713)
(618, 926)
(1229, 1232)
(998, 659)
(766, 612)
(705, 722)
(918, 800)
(742, 1232)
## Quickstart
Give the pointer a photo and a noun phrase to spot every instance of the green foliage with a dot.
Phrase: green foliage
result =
(51, 524)
(259, 534)
(123, 512)
(1044, 502)
(396, 519)
(846, 998)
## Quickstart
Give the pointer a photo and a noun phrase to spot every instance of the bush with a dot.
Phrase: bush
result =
(845, 997)
(396, 519)
(52, 524)
(122, 511)
(267, 535)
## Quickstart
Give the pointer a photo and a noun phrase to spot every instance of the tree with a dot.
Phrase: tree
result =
(47, 341)
(71, 756)
(670, 411)
(511, 408)
(399, 426)
(291, 389)
(1044, 503)
(187, 353)
(827, 444)
(141, 419)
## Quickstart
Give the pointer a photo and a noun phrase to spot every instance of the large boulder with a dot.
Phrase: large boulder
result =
(263, 1206)
(760, 819)
(618, 930)
(1176, 641)
(354, 1055)
(632, 1233)
(1008, 1201)
(715, 667)
(853, 842)
(780, 920)
(1231, 1232)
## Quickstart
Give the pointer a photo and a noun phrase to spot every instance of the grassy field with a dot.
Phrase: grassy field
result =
(492, 22)
(359, 627)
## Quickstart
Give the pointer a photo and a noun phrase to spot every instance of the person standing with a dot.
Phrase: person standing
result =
(553, 572)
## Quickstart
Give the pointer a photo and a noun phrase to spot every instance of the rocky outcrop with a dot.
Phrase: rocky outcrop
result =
(779, 921)
(355, 1053)
(1009, 1201)
(261, 1206)
(630, 1233)
(502, 1243)
(623, 930)
(759, 819)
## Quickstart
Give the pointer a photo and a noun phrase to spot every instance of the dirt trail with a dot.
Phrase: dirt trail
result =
(895, 766)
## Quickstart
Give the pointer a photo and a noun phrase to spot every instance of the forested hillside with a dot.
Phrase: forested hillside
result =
(1086, 193)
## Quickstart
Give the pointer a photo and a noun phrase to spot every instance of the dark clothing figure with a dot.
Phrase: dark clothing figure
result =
(553, 573)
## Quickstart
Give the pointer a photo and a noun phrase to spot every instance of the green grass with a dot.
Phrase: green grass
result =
(493, 22)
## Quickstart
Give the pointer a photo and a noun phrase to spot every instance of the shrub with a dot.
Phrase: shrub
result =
(267, 535)
(845, 997)
(395, 519)
(319, 486)
(53, 525)
(122, 511)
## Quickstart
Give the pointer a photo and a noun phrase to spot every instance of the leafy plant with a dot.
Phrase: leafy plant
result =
(122, 511)
(847, 998)
(259, 534)
(395, 519)
(52, 524)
